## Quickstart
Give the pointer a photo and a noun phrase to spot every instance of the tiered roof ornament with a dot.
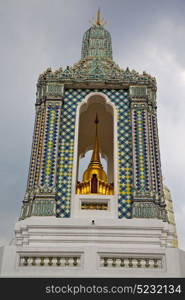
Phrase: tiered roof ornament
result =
(96, 63)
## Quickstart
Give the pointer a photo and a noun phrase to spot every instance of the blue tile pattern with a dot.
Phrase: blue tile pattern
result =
(66, 145)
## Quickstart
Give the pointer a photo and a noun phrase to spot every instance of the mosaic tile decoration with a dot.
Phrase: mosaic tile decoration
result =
(120, 99)
(65, 153)
(49, 155)
(33, 159)
(157, 155)
(141, 149)
(152, 159)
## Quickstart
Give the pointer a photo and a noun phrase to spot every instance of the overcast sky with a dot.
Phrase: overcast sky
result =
(147, 35)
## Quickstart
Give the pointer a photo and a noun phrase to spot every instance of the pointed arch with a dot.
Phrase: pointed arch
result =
(100, 101)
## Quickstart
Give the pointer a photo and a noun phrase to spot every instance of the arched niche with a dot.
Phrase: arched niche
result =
(96, 105)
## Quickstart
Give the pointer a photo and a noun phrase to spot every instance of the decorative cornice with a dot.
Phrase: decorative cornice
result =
(148, 210)
(95, 70)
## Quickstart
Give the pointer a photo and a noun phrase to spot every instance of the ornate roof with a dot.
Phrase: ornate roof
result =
(96, 63)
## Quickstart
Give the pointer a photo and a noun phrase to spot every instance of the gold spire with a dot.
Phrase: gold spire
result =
(94, 177)
(96, 153)
(98, 21)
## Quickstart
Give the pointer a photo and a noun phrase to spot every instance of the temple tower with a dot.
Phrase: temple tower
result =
(66, 104)
(112, 222)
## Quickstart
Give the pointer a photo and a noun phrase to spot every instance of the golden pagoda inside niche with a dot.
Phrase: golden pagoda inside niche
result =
(94, 178)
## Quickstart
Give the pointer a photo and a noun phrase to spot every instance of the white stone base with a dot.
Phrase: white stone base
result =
(51, 247)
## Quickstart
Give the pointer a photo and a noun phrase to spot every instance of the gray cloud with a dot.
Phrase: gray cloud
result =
(147, 35)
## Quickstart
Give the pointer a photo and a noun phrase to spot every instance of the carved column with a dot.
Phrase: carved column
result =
(40, 195)
(147, 197)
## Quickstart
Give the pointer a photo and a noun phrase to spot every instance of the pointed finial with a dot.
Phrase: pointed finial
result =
(96, 152)
(98, 21)
(96, 120)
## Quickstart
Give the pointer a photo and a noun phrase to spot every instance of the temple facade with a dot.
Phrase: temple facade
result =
(116, 219)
